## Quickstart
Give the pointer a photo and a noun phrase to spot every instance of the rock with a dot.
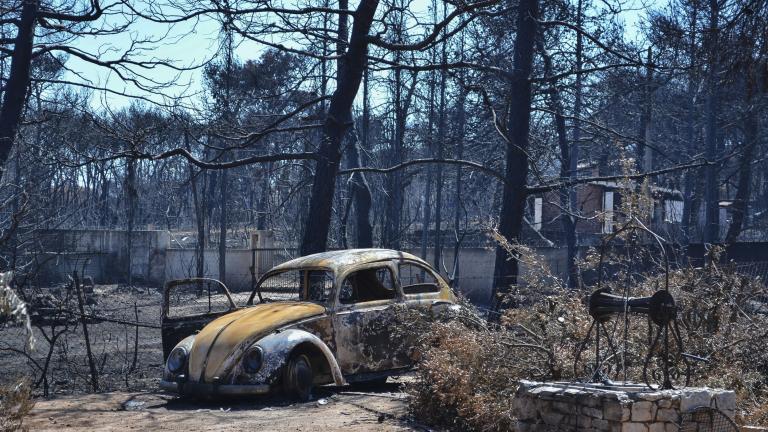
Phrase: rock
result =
(725, 401)
(616, 412)
(643, 411)
(667, 415)
(552, 418)
(592, 412)
(651, 397)
(634, 427)
(565, 408)
(592, 401)
(524, 408)
(583, 422)
(694, 398)
(601, 425)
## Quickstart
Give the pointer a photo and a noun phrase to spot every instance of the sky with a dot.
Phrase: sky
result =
(188, 44)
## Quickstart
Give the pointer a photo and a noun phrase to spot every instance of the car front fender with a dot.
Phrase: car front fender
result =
(276, 349)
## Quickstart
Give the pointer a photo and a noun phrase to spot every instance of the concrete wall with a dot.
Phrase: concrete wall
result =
(475, 278)
(104, 255)
(182, 263)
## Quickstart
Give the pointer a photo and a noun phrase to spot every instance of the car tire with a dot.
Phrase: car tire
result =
(298, 378)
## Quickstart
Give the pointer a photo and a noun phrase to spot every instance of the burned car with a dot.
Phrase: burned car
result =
(326, 318)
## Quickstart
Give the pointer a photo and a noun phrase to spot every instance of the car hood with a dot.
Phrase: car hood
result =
(223, 340)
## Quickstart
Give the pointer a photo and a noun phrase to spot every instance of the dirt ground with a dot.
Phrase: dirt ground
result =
(350, 409)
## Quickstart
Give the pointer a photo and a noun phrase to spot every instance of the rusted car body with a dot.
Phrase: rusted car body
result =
(319, 319)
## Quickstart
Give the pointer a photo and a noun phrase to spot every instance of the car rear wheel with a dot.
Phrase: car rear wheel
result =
(298, 378)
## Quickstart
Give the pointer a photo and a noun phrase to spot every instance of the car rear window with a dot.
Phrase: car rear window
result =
(415, 279)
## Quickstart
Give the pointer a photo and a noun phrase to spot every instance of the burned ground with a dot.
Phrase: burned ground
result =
(123, 361)
(128, 398)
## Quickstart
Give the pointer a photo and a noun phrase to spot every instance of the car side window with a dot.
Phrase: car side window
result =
(319, 285)
(368, 285)
(415, 279)
(298, 285)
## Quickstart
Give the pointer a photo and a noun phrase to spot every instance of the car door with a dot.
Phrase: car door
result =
(188, 305)
(365, 320)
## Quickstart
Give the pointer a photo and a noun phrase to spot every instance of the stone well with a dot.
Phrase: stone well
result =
(621, 408)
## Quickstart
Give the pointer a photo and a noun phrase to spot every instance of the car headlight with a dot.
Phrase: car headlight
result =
(252, 360)
(177, 360)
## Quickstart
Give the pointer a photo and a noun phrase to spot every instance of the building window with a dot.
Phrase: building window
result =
(608, 212)
(673, 211)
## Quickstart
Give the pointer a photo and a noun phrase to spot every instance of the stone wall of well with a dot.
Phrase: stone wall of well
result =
(550, 407)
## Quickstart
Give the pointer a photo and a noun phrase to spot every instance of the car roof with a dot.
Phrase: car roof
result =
(340, 260)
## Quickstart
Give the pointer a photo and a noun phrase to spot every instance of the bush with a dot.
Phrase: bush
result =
(15, 403)
(469, 372)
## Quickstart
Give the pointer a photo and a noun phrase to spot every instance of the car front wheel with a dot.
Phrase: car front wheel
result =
(298, 378)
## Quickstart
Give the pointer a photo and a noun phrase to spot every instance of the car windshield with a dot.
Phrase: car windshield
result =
(298, 285)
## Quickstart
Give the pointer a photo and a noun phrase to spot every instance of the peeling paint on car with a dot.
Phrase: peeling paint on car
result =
(238, 330)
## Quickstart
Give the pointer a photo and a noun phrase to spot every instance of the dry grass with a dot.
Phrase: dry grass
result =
(15, 404)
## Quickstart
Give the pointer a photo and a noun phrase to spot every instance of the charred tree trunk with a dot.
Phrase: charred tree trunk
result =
(131, 203)
(362, 192)
(337, 120)
(395, 204)
(644, 154)
(198, 202)
(427, 216)
(86, 337)
(567, 196)
(744, 186)
(516, 173)
(359, 191)
(394, 180)
(569, 221)
(461, 122)
(223, 224)
(689, 178)
(17, 86)
(360, 195)
(712, 189)
(261, 217)
(438, 252)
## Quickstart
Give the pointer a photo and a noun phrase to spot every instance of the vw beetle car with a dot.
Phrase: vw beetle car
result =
(319, 319)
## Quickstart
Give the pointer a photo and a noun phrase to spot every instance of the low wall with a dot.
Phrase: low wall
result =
(550, 407)
(182, 263)
(103, 254)
(476, 267)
